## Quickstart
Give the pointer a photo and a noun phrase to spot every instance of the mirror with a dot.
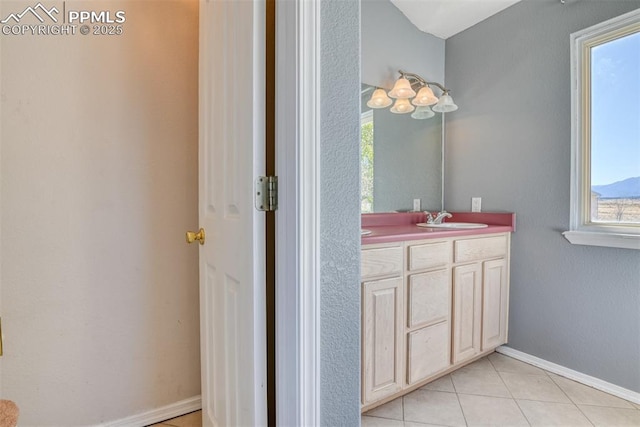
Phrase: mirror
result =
(400, 160)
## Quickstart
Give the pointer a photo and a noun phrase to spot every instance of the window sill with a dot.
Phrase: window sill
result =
(611, 240)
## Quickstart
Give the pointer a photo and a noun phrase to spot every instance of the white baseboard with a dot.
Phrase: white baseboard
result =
(159, 414)
(585, 379)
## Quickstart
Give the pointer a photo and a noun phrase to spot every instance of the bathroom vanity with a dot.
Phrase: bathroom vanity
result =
(433, 300)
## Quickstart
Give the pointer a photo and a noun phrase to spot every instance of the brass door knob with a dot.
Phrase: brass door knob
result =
(192, 236)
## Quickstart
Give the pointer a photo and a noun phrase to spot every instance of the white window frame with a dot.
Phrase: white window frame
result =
(582, 230)
(366, 117)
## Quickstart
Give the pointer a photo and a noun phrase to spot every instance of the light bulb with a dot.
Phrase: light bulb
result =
(445, 105)
(402, 106)
(379, 99)
(424, 97)
(422, 113)
(402, 89)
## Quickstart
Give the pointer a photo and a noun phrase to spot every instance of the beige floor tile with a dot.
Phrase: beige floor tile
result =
(481, 364)
(441, 384)
(584, 395)
(433, 407)
(410, 424)
(545, 414)
(534, 387)
(486, 391)
(392, 410)
(380, 422)
(193, 419)
(618, 417)
(479, 381)
(503, 363)
(491, 411)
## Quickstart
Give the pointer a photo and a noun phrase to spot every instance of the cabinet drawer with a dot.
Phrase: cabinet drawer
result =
(429, 255)
(428, 352)
(478, 249)
(381, 262)
(429, 299)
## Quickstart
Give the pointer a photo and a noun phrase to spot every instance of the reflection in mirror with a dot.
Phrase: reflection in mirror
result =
(401, 160)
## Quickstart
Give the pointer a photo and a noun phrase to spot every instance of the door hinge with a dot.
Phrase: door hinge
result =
(267, 193)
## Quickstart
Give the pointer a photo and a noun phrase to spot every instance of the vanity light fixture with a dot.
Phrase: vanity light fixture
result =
(405, 89)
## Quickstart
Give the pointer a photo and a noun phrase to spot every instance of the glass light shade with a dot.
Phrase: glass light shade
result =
(422, 113)
(402, 89)
(402, 106)
(379, 99)
(445, 105)
(424, 97)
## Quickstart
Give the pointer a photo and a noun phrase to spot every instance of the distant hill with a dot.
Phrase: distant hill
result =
(628, 189)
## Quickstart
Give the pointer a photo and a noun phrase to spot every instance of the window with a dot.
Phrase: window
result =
(605, 181)
(366, 162)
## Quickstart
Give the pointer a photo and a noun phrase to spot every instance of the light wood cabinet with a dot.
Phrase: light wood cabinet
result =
(382, 333)
(495, 307)
(382, 321)
(381, 261)
(428, 303)
(467, 311)
(429, 307)
(429, 255)
(429, 298)
(427, 352)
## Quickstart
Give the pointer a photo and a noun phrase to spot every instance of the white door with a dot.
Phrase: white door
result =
(232, 260)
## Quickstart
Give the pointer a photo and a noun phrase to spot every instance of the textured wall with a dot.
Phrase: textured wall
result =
(510, 143)
(340, 214)
(99, 182)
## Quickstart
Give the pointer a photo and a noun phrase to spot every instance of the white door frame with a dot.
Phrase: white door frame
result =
(298, 216)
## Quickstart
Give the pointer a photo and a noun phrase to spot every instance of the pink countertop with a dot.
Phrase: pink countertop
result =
(397, 227)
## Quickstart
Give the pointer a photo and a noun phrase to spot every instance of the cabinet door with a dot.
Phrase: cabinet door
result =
(427, 352)
(495, 303)
(429, 299)
(381, 333)
(467, 311)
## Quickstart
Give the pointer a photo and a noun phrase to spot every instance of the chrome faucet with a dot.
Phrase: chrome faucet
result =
(437, 218)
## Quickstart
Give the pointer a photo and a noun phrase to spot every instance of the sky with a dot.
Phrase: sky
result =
(615, 110)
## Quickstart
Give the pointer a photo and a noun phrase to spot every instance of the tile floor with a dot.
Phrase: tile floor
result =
(500, 391)
(494, 391)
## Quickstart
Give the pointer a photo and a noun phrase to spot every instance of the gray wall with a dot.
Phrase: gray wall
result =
(390, 42)
(340, 213)
(510, 142)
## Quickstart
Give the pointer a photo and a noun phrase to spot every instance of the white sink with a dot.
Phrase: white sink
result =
(453, 225)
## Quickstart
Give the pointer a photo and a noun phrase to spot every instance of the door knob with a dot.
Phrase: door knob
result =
(192, 236)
